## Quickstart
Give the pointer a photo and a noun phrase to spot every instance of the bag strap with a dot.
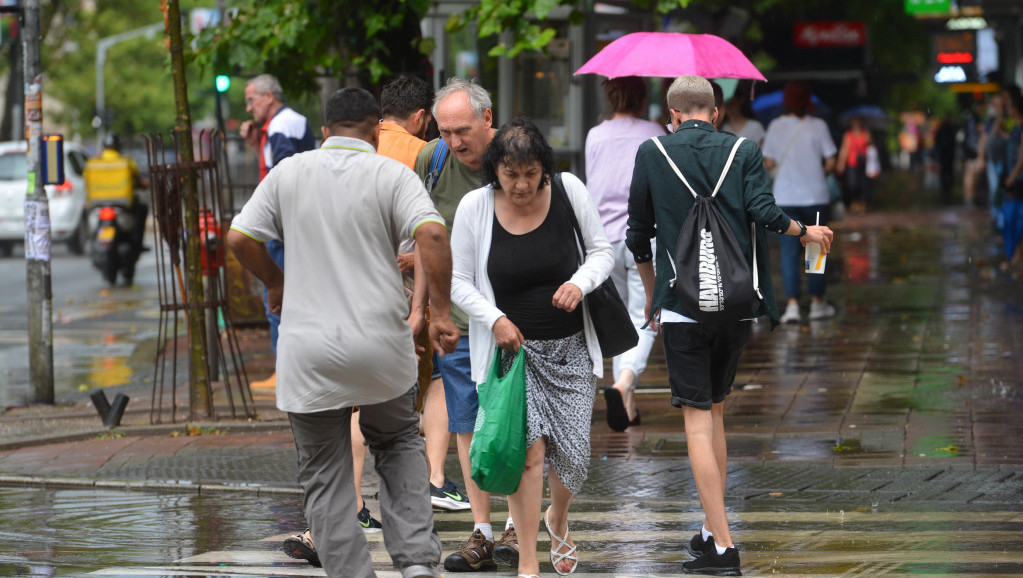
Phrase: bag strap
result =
(788, 145)
(558, 189)
(440, 154)
(724, 171)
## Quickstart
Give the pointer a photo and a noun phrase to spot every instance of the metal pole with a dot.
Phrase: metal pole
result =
(37, 222)
(102, 46)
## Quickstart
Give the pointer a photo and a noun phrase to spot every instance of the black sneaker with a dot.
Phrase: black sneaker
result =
(448, 497)
(477, 554)
(713, 564)
(369, 523)
(697, 546)
(506, 550)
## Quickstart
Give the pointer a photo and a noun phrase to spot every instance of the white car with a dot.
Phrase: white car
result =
(68, 202)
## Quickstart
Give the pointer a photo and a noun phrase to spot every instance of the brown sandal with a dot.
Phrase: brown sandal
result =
(301, 547)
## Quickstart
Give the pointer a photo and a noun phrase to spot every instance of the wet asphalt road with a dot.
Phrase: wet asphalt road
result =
(102, 336)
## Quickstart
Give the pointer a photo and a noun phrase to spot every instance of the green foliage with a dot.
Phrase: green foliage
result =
(138, 88)
(301, 42)
(519, 17)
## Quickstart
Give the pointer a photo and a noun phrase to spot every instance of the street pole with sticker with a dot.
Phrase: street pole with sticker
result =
(37, 221)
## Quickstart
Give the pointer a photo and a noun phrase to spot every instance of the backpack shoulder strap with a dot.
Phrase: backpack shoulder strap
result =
(721, 179)
(728, 165)
(440, 154)
(674, 167)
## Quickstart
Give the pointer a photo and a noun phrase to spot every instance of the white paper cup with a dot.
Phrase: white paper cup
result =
(815, 258)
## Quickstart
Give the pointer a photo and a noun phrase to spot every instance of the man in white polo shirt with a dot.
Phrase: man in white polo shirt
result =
(342, 210)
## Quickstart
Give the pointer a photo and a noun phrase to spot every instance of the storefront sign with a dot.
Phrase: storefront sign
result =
(953, 55)
(847, 34)
(928, 6)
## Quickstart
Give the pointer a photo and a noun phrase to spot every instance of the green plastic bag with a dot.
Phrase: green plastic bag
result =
(498, 450)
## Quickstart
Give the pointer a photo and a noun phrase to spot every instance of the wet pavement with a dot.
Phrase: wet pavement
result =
(883, 441)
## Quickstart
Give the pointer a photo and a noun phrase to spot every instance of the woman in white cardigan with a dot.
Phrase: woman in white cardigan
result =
(517, 273)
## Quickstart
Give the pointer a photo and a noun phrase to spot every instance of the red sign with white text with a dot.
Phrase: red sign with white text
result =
(839, 34)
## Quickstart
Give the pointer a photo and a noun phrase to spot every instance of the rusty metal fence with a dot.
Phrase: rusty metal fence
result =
(228, 387)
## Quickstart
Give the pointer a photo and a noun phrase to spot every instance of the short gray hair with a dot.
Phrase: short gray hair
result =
(479, 98)
(267, 83)
(689, 94)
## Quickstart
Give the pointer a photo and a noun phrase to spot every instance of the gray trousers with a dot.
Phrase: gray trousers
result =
(323, 441)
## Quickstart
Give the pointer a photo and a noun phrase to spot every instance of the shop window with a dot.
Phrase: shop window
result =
(542, 82)
(467, 58)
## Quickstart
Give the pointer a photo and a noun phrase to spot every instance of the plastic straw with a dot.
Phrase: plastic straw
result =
(818, 218)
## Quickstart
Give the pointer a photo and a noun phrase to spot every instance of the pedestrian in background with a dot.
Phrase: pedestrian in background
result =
(610, 157)
(517, 273)
(1012, 206)
(739, 118)
(406, 103)
(275, 132)
(852, 166)
(800, 146)
(991, 150)
(342, 211)
(702, 359)
(944, 154)
(464, 118)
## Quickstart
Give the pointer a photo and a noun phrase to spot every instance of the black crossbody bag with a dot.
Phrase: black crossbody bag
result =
(615, 331)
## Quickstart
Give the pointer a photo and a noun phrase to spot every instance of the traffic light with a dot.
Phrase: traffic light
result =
(223, 82)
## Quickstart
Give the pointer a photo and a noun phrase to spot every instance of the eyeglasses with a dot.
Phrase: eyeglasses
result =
(251, 100)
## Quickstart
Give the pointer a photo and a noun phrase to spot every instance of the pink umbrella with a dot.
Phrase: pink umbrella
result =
(671, 54)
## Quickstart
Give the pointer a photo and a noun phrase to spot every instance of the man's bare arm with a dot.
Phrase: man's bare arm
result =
(253, 256)
(435, 257)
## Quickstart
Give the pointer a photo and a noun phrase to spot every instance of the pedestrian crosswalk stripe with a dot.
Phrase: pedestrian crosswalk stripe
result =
(825, 544)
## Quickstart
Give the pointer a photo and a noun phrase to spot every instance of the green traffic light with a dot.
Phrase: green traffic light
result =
(223, 82)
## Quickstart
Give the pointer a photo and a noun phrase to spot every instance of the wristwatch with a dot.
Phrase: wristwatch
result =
(802, 229)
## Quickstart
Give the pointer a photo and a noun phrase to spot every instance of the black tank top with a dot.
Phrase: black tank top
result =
(526, 270)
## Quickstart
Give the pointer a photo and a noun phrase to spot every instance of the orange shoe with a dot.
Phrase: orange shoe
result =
(268, 383)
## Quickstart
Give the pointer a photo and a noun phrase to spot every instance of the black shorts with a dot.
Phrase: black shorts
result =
(702, 360)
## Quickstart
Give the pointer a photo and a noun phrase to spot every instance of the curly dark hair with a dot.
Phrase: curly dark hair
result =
(405, 95)
(519, 142)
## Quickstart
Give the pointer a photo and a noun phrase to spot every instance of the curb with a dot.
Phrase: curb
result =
(145, 430)
(147, 486)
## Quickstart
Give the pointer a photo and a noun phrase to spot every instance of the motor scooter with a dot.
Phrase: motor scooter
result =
(112, 246)
(117, 216)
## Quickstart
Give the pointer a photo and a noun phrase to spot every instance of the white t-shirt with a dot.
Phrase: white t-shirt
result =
(342, 211)
(800, 179)
(752, 130)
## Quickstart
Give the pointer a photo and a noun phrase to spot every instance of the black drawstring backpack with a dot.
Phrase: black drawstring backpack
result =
(711, 274)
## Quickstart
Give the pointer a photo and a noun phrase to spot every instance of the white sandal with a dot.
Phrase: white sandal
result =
(556, 555)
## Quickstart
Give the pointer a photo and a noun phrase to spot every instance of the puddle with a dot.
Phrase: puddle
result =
(45, 532)
(80, 364)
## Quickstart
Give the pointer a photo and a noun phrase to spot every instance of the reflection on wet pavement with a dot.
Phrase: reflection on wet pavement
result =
(73, 532)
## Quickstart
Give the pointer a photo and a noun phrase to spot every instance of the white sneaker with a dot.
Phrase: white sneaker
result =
(791, 313)
(821, 310)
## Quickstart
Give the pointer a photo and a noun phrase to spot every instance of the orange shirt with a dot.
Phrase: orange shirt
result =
(398, 144)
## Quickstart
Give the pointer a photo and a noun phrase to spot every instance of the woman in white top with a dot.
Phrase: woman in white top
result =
(516, 271)
(801, 148)
(610, 157)
(740, 119)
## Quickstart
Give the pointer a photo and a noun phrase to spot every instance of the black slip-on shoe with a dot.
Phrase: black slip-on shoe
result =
(617, 417)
